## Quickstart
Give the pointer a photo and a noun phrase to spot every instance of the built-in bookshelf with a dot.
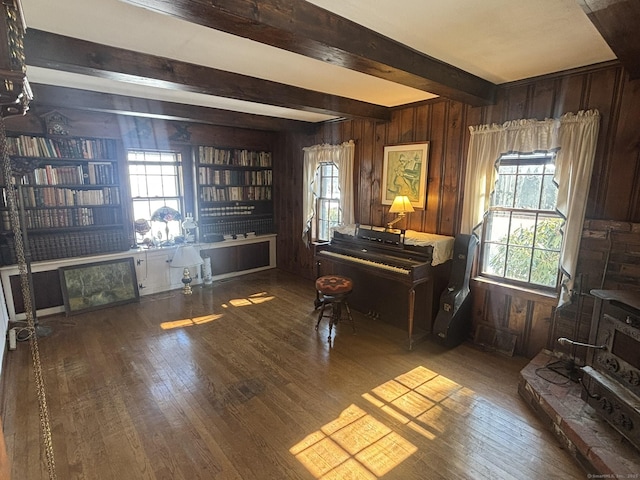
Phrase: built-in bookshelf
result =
(234, 192)
(69, 194)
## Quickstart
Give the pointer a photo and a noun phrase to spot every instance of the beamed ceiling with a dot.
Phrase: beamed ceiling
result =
(288, 64)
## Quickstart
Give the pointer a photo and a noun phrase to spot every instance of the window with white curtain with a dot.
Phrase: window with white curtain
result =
(328, 196)
(522, 235)
(573, 138)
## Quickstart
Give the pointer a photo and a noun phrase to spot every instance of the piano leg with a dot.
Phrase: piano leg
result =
(412, 304)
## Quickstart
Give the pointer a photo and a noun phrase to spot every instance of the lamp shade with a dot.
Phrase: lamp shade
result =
(186, 256)
(166, 214)
(401, 204)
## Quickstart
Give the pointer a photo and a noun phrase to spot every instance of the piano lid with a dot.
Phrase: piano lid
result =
(442, 244)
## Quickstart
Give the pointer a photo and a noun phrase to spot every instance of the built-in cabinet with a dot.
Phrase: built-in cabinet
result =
(69, 197)
(154, 274)
(234, 190)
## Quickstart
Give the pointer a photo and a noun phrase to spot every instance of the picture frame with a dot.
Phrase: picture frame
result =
(405, 173)
(97, 285)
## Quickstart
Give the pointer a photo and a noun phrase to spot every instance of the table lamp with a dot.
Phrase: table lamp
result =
(186, 256)
(401, 205)
(166, 215)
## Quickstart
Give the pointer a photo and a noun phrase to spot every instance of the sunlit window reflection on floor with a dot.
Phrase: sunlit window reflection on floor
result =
(357, 445)
(188, 322)
(255, 299)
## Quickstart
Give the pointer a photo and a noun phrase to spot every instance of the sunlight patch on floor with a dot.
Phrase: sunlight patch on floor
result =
(189, 322)
(357, 445)
(255, 299)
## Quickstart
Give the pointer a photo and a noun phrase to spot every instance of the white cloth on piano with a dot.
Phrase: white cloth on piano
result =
(442, 244)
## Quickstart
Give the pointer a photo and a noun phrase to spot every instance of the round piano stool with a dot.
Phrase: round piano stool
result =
(335, 290)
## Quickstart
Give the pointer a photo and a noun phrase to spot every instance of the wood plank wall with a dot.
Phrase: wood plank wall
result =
(609, 259)
(613, 194)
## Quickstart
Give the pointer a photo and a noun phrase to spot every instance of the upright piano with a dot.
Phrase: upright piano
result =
(395, 273)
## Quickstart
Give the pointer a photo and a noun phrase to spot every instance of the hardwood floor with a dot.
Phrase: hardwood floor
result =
(235, 383)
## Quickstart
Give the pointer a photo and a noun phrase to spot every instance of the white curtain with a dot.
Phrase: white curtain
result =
(574, 137)
(340, 155)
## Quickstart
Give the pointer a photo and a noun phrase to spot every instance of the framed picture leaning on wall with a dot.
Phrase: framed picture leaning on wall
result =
(98, 285)
(405, 173)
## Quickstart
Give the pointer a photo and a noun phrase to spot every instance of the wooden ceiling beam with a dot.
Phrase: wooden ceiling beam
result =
(49, 50)
(304, 28)
(63, 97)
(618, 22)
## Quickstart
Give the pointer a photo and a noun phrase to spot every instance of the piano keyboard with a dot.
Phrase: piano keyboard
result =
(364, 261)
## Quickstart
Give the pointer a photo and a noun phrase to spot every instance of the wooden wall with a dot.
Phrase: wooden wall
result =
(531, 318)
(613, 194)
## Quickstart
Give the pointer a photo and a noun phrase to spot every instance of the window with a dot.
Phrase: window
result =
(328, 201)
(156, 181)
(521, 234)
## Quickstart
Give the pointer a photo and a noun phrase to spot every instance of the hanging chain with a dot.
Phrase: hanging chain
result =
(11, 196)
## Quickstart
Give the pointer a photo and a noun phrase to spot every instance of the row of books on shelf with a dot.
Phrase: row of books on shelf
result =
(238, 227)
(77, 148)
(226, 156)
(226, 193)
(66, 197)
(89, 174)
(208, 176)
(66, 245)
(65, 217)
(227, 210)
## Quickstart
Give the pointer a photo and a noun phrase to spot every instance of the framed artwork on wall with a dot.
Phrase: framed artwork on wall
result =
(405, 173)
(98, 285)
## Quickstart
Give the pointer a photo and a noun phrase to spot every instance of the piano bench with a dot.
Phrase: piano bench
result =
(334, 290)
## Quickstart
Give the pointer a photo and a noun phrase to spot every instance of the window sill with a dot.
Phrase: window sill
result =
(521, 292)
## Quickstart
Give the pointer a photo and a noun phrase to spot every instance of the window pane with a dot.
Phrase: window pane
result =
(154, 169)
(497, 227)
(528, 191)
(327, 169)
(135, 190)
(141, 209)
(549, 194)
(544, 270)
(505, 186)
(140, 184)
(169, 170)
(152, 156)
(548, 235)
(136, 169)
(169, 187)
(518, 263)
(522, 230)
(135, 156)
(494, 259)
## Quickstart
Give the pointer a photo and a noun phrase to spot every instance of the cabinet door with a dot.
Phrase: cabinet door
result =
(254, 255)
(157, 277)
(223, 260)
